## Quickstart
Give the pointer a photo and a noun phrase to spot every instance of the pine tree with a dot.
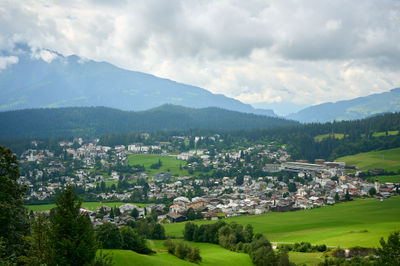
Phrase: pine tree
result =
(72, 236)
(14, 223)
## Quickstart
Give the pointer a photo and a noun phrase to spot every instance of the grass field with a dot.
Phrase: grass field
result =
(306, 258)
(211, 255)
(88, 205)
(168, 163)
(383, 179)
(127, 257)
(356, 223)
(390, 133)
(324, 136)
(385, 159)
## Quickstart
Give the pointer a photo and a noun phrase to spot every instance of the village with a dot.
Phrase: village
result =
(254, 180)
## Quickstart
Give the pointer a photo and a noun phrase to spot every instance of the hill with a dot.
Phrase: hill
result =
(96, 121)
(357, 223)
(357, 108)
(73, 81)
(384, 159)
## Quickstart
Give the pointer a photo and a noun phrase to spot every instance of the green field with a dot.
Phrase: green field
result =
(169, 164)
(383, 179)
(356, 223)
(385, 159)
(390, 133)
(325, 136)
(211, 255)
(127, 257)
(88, 205)
(306, 258)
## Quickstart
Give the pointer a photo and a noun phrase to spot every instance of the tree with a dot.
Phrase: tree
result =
(72, 239)
(347, 197)
(261, 252)
(109, 236)
(389, 254)
(133, 241)
(14, 223)
(248, 233)
(188, 233)
(191, 215)
(111, 214)
(337, 197)
(372, 191)
(39, 252)
(158, 231)
(135, 213)
(194, 255)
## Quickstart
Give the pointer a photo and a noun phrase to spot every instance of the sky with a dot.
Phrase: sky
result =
(285, 54)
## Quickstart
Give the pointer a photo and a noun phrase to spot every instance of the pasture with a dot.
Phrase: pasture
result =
(169, 164)
(385, 159)
(358, 223)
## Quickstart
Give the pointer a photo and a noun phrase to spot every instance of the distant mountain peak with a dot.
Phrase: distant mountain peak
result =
(44, 78)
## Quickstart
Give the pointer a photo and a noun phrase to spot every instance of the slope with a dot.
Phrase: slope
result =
(351, 109)
(73, 81)
(97, 121)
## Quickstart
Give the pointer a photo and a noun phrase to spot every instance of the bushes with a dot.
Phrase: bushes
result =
(183, 251)
(133, 241)
(303, 247)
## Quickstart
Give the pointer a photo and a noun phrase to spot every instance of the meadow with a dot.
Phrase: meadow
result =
(385, 159)
(383, 179)
(87, 205)
(358, 223)
(325, 136)
(211, 255)
(169, 164)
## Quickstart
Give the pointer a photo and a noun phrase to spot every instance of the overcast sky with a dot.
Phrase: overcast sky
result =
(301, 52)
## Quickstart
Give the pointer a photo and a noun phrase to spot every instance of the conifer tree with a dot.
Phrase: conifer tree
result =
(72, 237)
(14, 223)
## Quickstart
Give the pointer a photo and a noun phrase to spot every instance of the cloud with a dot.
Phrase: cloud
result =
(305, 52)
(7, 60)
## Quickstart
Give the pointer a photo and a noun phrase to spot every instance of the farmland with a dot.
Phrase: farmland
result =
(88, 205)
(385, 159)
(357, 223)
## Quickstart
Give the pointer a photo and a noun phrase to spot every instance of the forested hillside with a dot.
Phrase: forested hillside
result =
(378, 132)
(97, 121)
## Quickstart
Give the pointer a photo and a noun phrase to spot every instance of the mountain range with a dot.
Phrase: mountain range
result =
(54, 80)
(97, 121)
(72, 81)
(357, 108)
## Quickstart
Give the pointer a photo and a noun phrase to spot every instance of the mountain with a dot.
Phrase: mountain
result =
(96, 121)
(71, 81)
(357, 108)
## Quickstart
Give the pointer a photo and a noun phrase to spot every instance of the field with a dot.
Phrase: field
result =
(88, 205)
(211, 255)
(319, 138)
(383, 179)
(169, 164)
(324, 136)
(306, 258)
(385, 159)
(356, 223)
(390, 133)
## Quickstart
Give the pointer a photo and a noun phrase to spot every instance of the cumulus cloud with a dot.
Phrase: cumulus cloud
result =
(305, 52)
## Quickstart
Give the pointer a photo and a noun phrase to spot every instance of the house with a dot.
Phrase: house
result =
(176, 217)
